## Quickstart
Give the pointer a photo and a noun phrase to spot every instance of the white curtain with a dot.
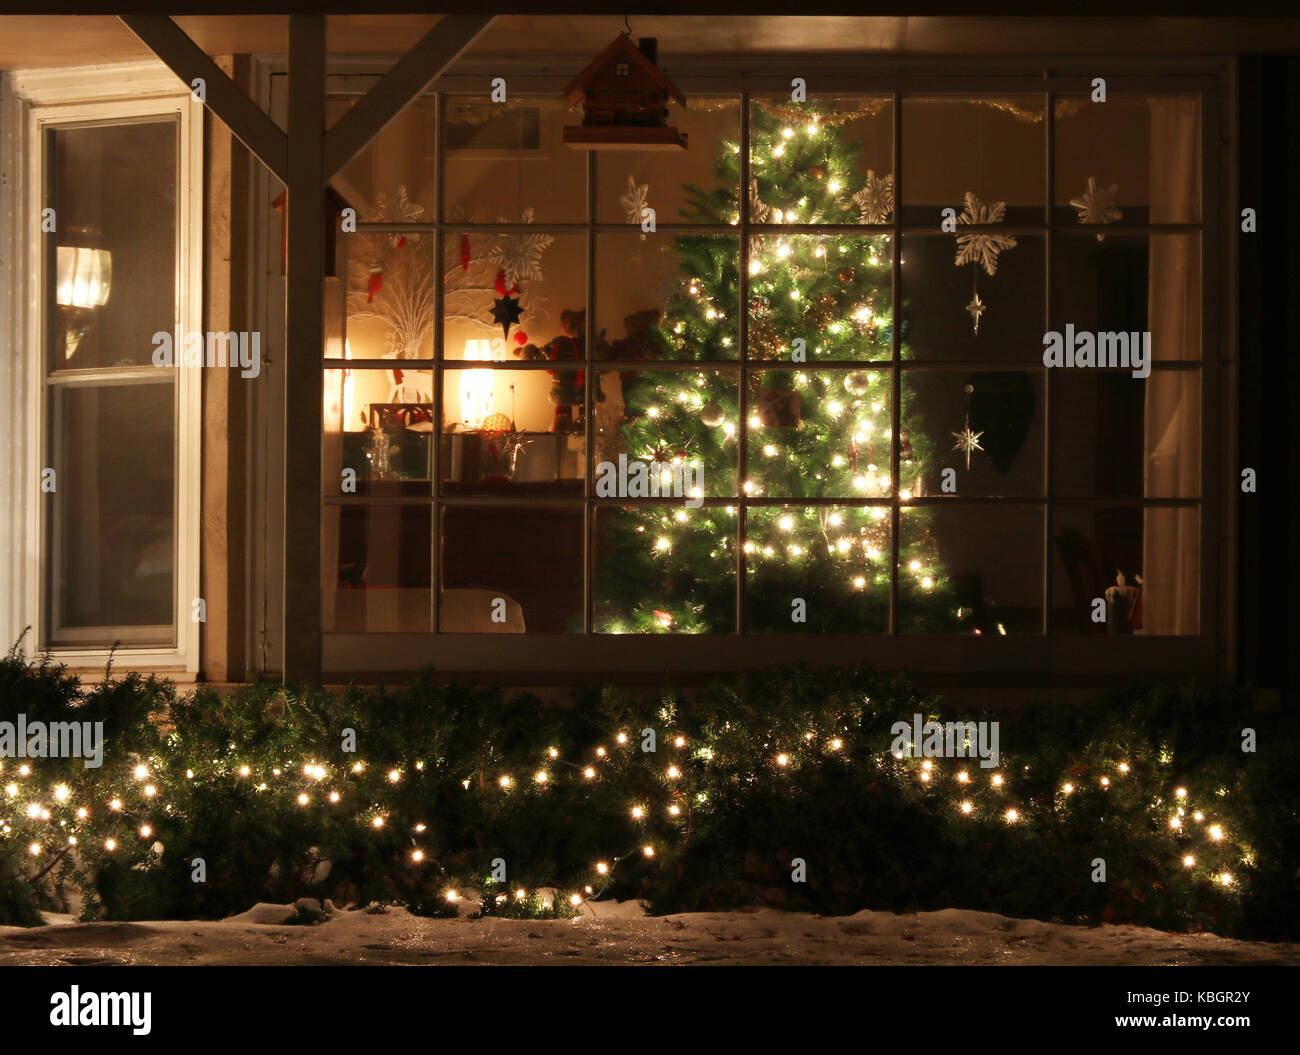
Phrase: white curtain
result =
(1170, 559)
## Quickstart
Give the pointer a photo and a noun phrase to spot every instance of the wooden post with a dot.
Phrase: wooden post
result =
(305, 158)
(304, 339)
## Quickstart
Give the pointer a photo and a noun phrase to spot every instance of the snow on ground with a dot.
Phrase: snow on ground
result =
(622, 934)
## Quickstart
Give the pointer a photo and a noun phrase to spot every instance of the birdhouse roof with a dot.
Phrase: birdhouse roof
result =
(621, 49)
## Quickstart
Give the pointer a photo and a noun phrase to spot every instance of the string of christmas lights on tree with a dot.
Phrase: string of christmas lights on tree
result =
(818, 425)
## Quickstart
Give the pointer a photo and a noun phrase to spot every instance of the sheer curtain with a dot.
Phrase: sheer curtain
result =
(1170, 559)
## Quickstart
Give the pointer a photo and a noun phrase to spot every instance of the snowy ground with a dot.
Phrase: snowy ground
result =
(622, 934)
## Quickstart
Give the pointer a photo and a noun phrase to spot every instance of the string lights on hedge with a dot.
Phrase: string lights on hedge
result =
(61, 820)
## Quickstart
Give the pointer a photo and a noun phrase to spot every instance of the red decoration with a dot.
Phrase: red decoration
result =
(375, 284)
(521, 337)
(400, 243)
(464, 252)
(500, 285)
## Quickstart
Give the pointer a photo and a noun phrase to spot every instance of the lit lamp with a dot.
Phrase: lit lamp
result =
(476, 385)
(84, 277)
(82, 281)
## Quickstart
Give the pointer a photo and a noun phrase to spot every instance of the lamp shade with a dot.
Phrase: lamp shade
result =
(83, 277)
(476, 385)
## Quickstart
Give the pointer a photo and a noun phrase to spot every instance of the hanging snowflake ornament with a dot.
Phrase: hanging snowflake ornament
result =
(875, 201)
(1097, 204)
(635, 200)
(759, 210)
(519, 255)
(982, 248)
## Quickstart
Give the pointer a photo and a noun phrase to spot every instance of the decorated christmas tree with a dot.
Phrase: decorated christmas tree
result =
(814, 431)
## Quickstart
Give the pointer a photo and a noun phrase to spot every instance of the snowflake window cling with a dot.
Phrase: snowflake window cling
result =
(1097, 205)
(981, 248)
(635, 201)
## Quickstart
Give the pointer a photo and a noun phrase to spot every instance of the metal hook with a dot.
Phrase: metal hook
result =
(627, 27)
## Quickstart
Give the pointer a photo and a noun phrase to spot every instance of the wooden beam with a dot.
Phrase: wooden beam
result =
(437, 50)
(304, 340)
(245, 119)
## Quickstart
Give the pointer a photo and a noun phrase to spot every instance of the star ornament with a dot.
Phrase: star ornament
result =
(506, 311)
(982, 248)
(976, 309)
(967, 441)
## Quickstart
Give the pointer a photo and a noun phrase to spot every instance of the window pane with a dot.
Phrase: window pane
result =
(696, 185)
(392, 178)
(661, 569)
(992, 147)
(817, 570)
(833, 292)
(960, 311)
(1119, 436)
(507, 161)
(1092, 546)
(378, 432)
(1004, 411)
(1131, 284)
(970, 569)
(819, 434)
(537, 282)
(513, 431)
(511, 570)
(376, 568)
(390, 297)
(1105, 153)
(112, 280)
(113, 521)
(667, 298)
(827, 161)
(681, 424)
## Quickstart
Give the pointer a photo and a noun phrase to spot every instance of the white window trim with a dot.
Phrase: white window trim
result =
(35, 100)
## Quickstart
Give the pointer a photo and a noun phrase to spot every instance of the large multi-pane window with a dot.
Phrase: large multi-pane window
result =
(790, 379)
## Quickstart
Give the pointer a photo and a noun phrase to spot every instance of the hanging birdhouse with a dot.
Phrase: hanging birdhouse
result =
(624, 99)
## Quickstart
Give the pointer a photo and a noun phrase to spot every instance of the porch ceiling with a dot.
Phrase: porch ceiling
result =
(70, 40)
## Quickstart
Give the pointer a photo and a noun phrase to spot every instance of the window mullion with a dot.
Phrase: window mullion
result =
(742, 430)
(896, 384)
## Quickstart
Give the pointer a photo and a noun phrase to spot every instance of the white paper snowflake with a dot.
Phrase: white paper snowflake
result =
(875, 201)
(982, 248)
(759, 210)
(1097, 204)
(635, 200)
(519, 255)
(397, 208)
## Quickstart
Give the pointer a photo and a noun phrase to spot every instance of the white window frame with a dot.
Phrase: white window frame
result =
(34, 102)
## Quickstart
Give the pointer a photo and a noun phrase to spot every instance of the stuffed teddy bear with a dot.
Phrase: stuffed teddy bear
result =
(567, 388)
